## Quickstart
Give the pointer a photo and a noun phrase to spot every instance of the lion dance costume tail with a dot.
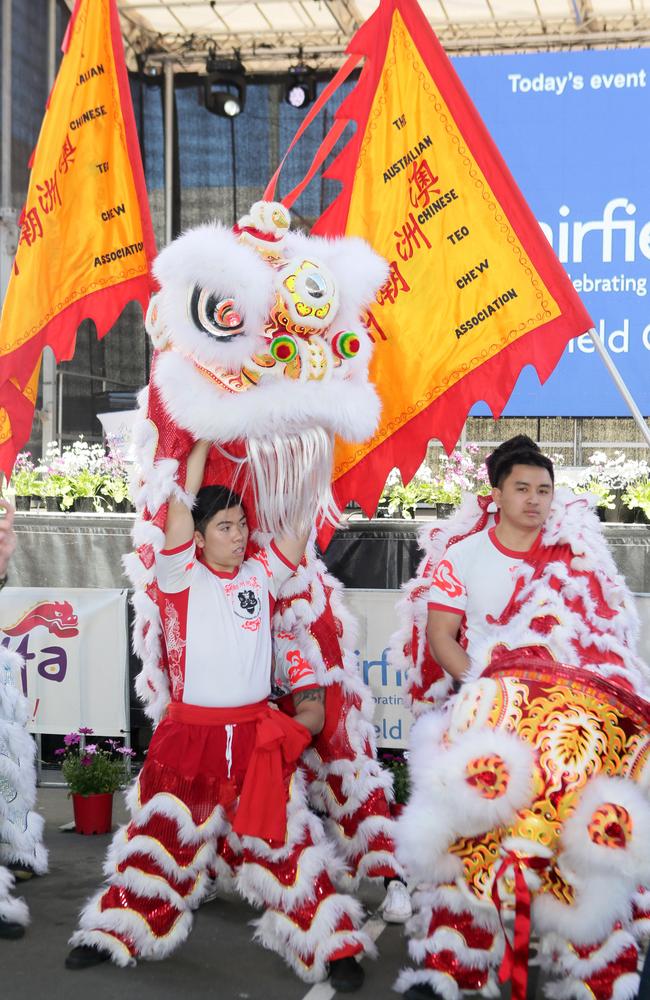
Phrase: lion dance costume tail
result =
(530, 785)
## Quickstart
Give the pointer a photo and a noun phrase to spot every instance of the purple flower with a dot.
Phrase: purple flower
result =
(71, 739)
(86, 731)
(92, 748)
(87, 760)
(125, 751)
(111, 743)
(59, 752)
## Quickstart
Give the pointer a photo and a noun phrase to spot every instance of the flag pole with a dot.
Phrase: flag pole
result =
(168, 109)
(620, 385)
(7, 213)
(49, 416)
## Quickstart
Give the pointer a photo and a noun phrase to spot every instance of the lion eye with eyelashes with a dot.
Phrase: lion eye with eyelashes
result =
(215, 314)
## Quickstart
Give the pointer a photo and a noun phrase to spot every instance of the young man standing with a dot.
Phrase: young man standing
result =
(473, 582)
(221, 773)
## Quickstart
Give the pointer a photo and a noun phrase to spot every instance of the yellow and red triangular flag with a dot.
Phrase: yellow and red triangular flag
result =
(475, 291)
(86, 240)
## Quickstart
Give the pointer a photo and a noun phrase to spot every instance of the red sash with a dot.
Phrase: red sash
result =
(279, 742)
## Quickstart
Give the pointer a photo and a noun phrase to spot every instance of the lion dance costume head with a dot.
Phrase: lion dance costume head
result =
(262, 350)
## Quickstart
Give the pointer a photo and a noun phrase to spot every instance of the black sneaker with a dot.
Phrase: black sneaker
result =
(346, 975)
(10, 930)
(421, 991)
(85, 955)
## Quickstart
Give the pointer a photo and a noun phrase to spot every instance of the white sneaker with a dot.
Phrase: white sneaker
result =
(396, 908)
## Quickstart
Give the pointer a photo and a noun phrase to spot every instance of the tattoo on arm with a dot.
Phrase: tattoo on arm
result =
(313, 694)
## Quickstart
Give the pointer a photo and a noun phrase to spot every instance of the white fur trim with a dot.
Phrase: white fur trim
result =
(134, 926)
(442, 805)
(448, 939)
(626, 987)
(278, 933)
(443, 984)
(600, 900)
(172, 808)
(585, 857)
(273, 407)
(119, 953)
(212, 257)
(557, 955)
(11, 909)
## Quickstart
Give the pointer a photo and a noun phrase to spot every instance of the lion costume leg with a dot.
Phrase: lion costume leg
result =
(157, 869)
(455, 943)
(605, 970)
(306, 921)
(21, 829)
(12, 911)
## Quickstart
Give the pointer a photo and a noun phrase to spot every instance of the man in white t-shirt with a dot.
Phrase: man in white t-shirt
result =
(474, 581)
(220, 774)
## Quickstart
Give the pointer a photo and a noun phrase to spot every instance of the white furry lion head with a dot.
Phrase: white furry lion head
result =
(260, 331)
(260, 337)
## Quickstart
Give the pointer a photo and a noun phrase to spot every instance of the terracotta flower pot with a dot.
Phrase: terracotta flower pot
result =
(93, 813)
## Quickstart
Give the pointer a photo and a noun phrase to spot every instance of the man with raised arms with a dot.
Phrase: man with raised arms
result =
(220, 776)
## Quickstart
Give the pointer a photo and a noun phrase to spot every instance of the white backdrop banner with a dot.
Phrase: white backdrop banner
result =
(75, 646)
(375, 613)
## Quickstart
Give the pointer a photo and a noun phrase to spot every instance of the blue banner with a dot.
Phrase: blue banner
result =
(573, 129)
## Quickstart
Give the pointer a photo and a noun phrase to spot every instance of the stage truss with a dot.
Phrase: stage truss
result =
(271, 35)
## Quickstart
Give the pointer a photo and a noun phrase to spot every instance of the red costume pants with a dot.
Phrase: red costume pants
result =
(183, 805)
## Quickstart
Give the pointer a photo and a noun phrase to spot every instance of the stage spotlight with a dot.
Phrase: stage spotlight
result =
(224, 88)
(300, 89)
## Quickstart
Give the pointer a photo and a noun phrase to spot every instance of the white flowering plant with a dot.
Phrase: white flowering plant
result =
(25, 479)
(613, 480)
(74, 471)
(458, 473)
(637, 496)
(615, 473)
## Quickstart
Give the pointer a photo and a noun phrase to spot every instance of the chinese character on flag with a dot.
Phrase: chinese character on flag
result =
(86, 241)
(481, 292)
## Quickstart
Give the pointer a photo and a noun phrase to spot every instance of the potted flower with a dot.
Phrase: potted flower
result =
(397, 764)
(403, 500)
(93, 773)
(25, 480)
(446, 495)
(82, 465)
(609, 478)
(116, 491)
(86, 488)
(604, 498)
(115, 485)
(461, 472)
(55, 486)
(57, 494)
(637, 499)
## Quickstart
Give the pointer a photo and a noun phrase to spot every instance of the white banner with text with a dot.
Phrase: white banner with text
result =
(74, 644)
